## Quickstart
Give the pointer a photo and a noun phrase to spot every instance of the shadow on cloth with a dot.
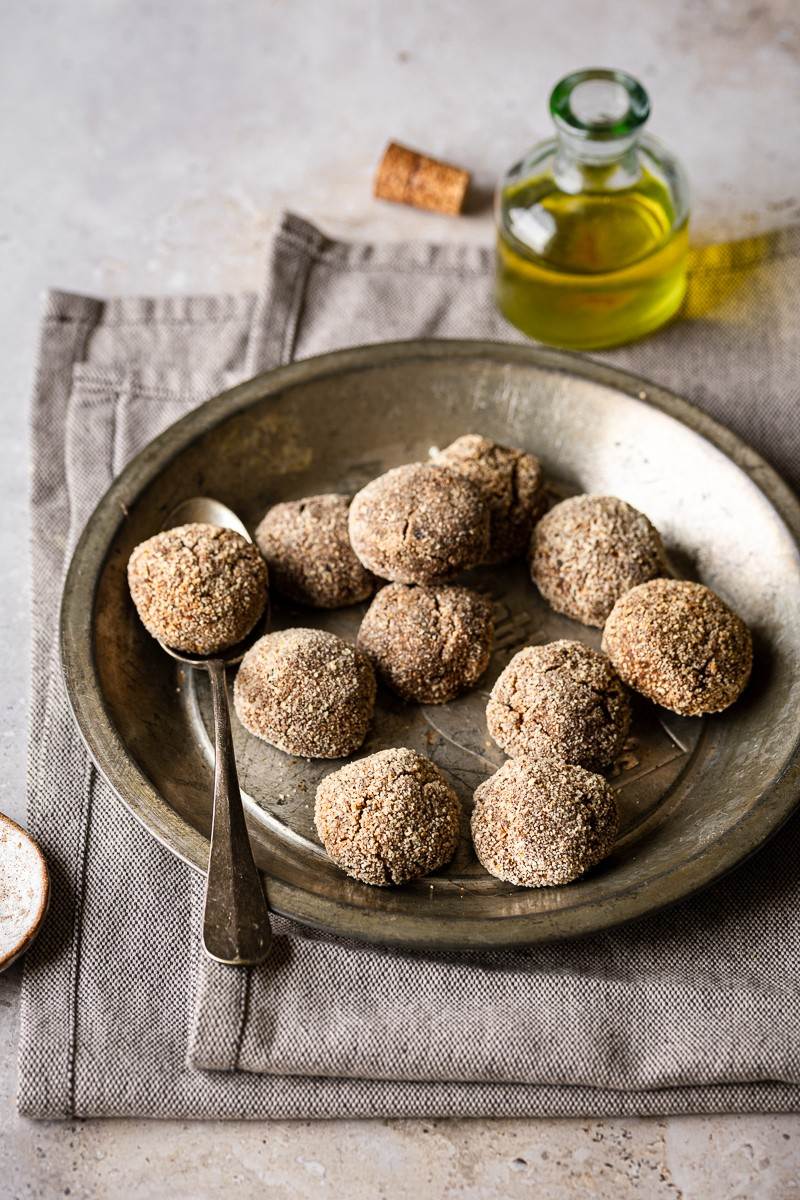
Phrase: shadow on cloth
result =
(720, 270)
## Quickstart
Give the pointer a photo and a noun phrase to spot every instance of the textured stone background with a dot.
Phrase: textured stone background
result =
(149, 147)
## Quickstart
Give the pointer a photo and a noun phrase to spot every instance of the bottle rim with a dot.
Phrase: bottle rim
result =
(621, 109)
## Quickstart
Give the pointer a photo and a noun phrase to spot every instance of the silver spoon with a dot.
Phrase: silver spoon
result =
(236, 926)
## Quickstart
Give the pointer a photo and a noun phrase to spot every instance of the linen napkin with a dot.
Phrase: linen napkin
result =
(693, 1010)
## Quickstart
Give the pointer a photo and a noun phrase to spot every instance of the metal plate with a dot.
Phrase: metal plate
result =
(696, 796)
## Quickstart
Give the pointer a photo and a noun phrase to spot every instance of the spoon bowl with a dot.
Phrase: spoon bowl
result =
(203, 510)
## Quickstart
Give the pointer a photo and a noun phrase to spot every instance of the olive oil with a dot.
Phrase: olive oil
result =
(592, 241)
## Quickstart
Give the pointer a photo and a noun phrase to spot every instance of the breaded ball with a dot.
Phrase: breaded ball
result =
(512, 484)
(428, 643)
(589, 550)
(563, 700)
(198, 588)
(680, 645)
(308, 552)
(419, 524)
(388, 818)
(539, 822)
(306, 692)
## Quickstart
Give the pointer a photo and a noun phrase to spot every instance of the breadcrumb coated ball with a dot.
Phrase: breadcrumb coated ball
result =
(307, 692)
(198, 588)
(539, 822)
(563, 700)
(512, 484)
(308, 552)
(680, 645)
(428, 643)
(388, 818)
(419, 523)
(589, 550)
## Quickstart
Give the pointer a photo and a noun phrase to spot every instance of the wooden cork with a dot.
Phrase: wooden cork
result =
(407, 177)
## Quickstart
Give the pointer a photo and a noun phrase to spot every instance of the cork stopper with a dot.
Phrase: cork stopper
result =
(407, 177)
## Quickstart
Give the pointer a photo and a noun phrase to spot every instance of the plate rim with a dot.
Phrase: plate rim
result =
(142, 799)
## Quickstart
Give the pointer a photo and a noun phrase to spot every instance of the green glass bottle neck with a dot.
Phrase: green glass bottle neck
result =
(581, 165)
(598, 115)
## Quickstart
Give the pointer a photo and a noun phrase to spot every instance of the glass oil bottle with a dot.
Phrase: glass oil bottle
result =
(592, 225)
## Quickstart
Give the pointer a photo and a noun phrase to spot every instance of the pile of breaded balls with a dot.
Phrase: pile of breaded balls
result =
(560, 711)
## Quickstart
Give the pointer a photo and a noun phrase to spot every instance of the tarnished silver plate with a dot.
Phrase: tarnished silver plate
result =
(696, 796)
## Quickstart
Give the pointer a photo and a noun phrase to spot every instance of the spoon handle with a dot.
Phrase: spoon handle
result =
(236, 927)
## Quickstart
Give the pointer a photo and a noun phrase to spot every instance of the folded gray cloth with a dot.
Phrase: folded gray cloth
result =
(692, 1010)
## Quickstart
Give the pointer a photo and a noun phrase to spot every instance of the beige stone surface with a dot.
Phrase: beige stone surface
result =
(150, 147)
